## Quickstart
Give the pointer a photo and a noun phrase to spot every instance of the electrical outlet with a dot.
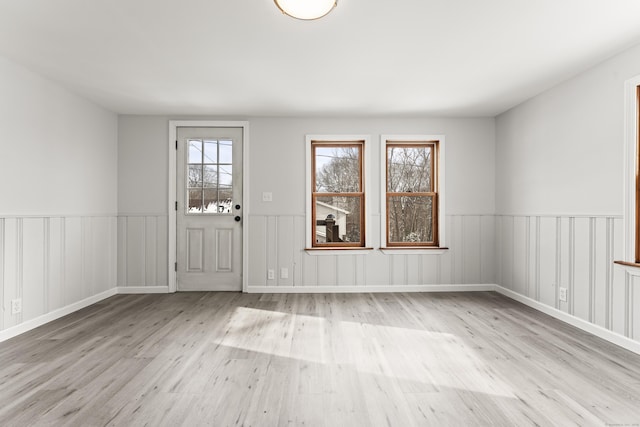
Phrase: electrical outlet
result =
(562, 294)
(284, 273)
(16, 306)
(271, 274)
(267, 196)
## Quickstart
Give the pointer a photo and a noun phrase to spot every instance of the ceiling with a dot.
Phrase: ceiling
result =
(366, 58)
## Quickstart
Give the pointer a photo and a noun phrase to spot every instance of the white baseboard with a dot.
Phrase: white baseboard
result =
(366, 289)
(599, 331)
(606, 334)
(53, 315)
(143, 289)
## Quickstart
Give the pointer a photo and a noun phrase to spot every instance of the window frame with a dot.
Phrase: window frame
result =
(437, 171)
(336, 140)
(636, 258)
(631, 256)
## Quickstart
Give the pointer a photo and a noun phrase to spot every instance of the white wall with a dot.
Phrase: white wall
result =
(142, 164)
(561, 152)
(276, 229)
(559, 197)
(58, 175)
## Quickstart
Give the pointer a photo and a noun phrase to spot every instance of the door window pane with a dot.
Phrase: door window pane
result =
(226, 151)
(226, 176)
(210, 176)
(195, 151)
(210, 201)
(195, 176)
(195, 201)
(210, 152)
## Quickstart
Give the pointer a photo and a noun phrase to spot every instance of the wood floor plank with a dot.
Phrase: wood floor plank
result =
(230, 359)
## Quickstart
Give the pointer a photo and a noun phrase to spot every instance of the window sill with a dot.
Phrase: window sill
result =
(339, 251)
(414, 250)
(632, 268)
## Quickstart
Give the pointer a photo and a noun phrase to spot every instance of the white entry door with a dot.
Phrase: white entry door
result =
(209, 209)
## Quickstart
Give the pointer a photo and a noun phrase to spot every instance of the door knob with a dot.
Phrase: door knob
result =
(237, 218)
(237, 207)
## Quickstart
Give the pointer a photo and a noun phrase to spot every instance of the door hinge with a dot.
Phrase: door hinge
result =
(175, 266)
(176, 205)
(176, 144)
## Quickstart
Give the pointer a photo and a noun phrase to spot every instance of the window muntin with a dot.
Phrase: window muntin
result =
(337, 196)
(411, 193)
(209, 176)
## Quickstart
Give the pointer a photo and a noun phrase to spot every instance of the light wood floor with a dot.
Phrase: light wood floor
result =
(315, 360)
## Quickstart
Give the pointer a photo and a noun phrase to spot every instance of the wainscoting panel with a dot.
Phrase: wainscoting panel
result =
(12, 254)
(286, 247)
(258, 249)
(618, 309)
(634, 301)
(73, 260)
(540, 254)
(601, 271)
(136, 257)
(54, 262)
(581, 286)
(545, 289)
(33, 267)
(278, 241)
(521, 260)
(377, 270)
(142, 251)
(150, 250)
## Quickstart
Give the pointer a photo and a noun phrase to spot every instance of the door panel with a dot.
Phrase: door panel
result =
(224, 249)
(195, 250)
(209, 215)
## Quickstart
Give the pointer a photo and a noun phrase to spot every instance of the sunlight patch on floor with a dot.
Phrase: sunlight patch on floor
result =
(403, 354)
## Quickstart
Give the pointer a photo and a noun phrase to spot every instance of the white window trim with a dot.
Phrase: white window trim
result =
(366, 162)
(630, 159)
(442, 246)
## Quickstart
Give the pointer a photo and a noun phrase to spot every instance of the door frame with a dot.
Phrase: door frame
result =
(172, 193)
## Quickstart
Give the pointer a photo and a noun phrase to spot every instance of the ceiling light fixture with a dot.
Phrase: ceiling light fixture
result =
(306, 9)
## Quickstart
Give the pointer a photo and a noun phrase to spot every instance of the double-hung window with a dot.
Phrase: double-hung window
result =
(636, 140)
(632, 174)
(412, 191)
(337, 219)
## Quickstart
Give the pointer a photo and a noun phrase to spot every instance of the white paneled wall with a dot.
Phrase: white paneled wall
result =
(539, 254)
(142, 252)
(278, 241)
(54, 262)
